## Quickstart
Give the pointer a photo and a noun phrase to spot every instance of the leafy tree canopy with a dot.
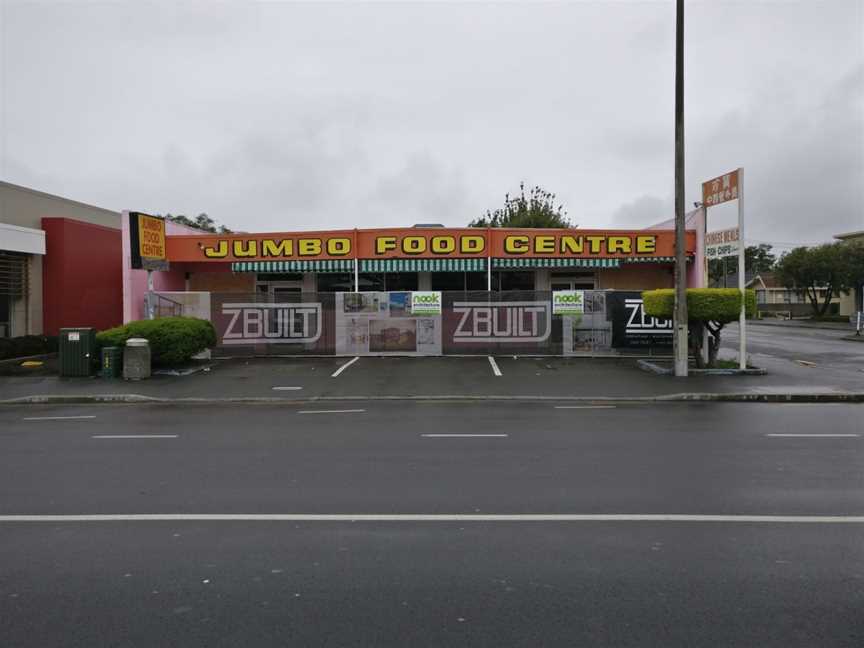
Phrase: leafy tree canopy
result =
(758, 258)
(822, 271)
(536, 209)
(202, 221)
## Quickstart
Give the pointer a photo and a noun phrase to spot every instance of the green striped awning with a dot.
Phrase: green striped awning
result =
(322, 265)
(554, 263)
(422, 265)
(662, 259)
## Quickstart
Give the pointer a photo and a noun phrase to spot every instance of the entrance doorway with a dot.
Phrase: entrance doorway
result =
(583, 281)
(280, 291)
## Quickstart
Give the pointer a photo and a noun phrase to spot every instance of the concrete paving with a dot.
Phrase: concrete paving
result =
(310, 378)
(181, 582)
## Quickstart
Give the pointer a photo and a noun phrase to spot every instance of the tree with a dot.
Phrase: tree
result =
(537, 209)
(832, 267)
(202, 221)
(707, 309)
(758, 258)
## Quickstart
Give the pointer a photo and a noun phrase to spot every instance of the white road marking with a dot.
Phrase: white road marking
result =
(494, 364)
(286, 388)
(460, 436)
(134, 436)
(344, 367)
(57, 418)
(812, 435)
(345, 411)
(585, 406)
(441, 517)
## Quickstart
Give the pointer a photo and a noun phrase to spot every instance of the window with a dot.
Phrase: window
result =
(513, 280)
(448, 280)
(335, 282)
(371, 281)
(279, 276)
(401, 281)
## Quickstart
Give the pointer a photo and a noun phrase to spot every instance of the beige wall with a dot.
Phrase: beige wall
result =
(223, 282)
(636, 277)
(25, 208)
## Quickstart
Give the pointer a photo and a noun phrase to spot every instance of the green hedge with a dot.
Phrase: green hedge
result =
(27, 345)
(173, 340)
(703, 304)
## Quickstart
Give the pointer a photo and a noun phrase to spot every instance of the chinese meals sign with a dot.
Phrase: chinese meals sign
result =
(722, 243)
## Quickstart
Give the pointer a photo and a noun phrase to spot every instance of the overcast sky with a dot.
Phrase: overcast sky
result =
(281, 116)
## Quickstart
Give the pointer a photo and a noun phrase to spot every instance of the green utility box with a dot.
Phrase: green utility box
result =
(112, 362)
(77, 351)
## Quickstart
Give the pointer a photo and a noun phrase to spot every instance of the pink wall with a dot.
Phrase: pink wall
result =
(697, 272)
(135, 281)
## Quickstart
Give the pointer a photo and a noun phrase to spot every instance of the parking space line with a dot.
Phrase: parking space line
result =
(57, 418)
(345, 411)
(344, 367)
(286, 388)
(813, 435)
(463, 436)
(585, 406)
(494, 364)
(134, 436)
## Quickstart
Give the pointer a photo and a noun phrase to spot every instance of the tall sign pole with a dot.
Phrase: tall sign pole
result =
(680, 333)
(742, 271)
(725, 243)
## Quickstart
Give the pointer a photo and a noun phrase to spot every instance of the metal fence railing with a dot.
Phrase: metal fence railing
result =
(467, 323)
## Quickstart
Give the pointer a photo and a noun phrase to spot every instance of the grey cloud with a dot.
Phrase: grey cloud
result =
(287, 115)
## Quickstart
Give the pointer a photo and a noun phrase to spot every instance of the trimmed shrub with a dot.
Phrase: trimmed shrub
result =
(722, 305)
(707, 308)
(173, 340)
(27, 345)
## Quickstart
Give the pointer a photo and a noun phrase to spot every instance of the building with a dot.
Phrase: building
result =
(421, 259)
(60, 263)
(774, 297)
(853, 301)
(362, 291)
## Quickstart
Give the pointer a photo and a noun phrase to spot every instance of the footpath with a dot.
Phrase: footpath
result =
(269, 380)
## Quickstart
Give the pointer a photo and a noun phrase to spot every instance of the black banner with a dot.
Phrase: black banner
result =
(631, 327)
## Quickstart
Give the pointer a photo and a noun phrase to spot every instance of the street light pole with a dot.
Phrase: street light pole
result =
(680, 319)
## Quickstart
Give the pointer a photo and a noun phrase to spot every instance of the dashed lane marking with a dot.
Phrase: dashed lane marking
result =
(134, 436)
(345, 411)
(57, 418)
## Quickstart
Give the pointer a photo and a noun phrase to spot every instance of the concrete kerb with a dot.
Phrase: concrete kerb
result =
(838, 397)
(653, 367)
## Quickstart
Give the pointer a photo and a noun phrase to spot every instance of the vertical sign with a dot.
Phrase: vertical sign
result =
(721, 189)
(730, 186)
(147, 242)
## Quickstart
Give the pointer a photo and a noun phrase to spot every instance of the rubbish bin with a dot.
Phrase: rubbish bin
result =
(112, 362)
(77, 348)
(136, 359)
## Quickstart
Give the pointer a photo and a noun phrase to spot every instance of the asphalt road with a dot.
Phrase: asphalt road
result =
(522, 582)
(826, 348)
